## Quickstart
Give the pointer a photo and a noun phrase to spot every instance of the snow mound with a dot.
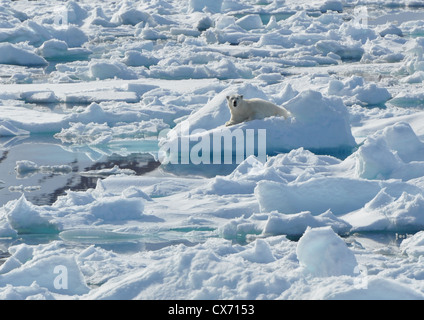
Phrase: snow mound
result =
(387, 212)
(73, 210)
(111, 210)
(137, 59)
(394, 152)
(355, 91)
(324, 254)
(365, 287)
(75, 13)
(349, 50)
(7, 129)
(275, 224)
(98, 18)
(332, 5)
(24, 217)
(250, 22)
(106, 69)
(389, 29)
(127, 15)
(260, 253)
(317, 123)
(58, 50)
(317, 195)
(414, 245)
(297, 224)
(40, 269)
(14, 55)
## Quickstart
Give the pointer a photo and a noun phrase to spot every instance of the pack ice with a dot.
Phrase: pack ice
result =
(332, 209)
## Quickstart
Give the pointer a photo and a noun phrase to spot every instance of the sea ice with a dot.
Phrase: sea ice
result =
(25, 168)
(104, 69)
(201, 5)
(8, 129)
(318, 123)
(47, 269)
(107, 172)
(354, 90)
(324, 254)
(130, 16)
(332, 209)
(58, 50)
(12, 54)
(333, 5)
(250, 22)
(23, 217)
(413, 245)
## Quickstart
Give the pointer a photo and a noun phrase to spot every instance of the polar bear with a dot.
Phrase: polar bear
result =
(252, 109)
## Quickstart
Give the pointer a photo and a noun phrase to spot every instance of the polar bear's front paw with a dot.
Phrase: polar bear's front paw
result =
(229, 123)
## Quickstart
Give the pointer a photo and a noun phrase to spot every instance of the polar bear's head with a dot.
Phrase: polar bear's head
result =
(234, 101)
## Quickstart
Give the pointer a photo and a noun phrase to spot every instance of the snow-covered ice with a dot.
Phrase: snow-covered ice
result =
(120, 180)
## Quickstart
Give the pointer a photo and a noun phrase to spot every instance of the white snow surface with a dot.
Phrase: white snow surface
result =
(335, 209)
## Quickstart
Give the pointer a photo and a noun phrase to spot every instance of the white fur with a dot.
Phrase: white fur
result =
(246, 110)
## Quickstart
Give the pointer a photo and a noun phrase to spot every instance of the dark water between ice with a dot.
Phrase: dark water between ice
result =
(43, 188)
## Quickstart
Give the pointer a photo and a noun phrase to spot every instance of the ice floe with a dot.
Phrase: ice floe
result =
(326, 204)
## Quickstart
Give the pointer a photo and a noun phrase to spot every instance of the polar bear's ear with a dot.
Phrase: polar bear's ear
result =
(228, 97)
(241, 96)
